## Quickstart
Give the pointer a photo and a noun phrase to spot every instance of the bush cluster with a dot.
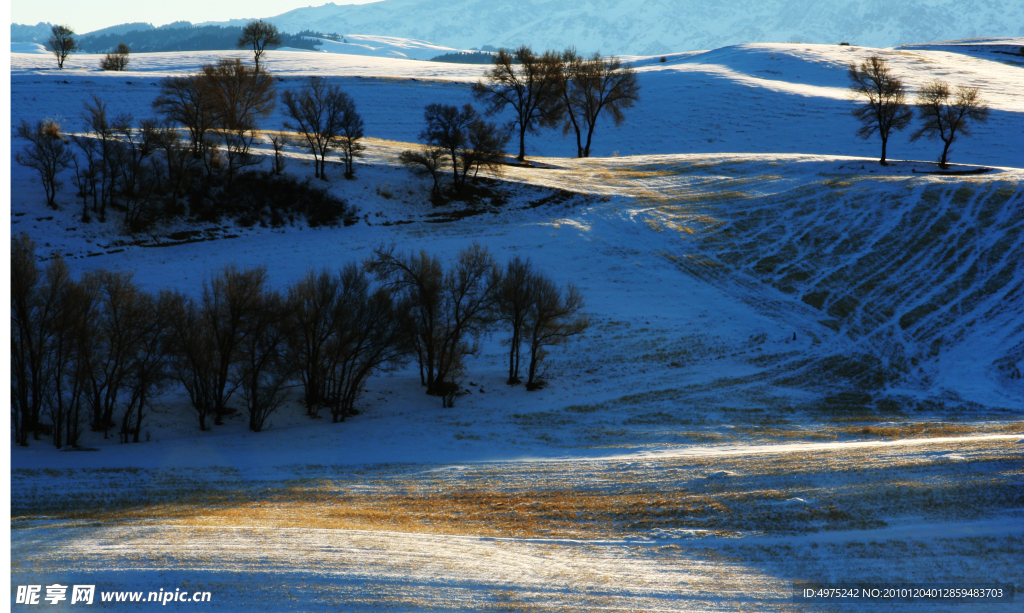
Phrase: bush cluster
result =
(263, 198)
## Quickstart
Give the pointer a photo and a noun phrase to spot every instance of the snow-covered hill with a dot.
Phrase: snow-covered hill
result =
(801, 365)
(648, 27)
(384, 46)
(768, 102)
(759, 98)
(29, 48)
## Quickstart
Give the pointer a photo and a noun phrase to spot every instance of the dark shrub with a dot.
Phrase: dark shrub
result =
(259, 197)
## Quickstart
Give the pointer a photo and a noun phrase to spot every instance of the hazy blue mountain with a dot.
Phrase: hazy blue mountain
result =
(123, 28)
(21, 33)
(659, 26)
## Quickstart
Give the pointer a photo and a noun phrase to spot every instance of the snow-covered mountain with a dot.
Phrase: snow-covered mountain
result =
(646, 27)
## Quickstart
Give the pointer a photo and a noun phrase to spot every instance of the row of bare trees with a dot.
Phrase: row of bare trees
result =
(946, 113)
(150, 167)
(97, 350)
(82, 351)
(541, 91)
(131, 165)
(553, 88)
(118, 165)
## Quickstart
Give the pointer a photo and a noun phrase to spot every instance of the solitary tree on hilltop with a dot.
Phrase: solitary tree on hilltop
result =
(946, 119)
(62, 43)
(886, 109)
(258, 35)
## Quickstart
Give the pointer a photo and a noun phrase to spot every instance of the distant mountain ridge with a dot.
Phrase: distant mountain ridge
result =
(177, 36)
(24, 33)
(648, 27)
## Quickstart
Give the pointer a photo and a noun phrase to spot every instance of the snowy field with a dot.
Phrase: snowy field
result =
(803, 367)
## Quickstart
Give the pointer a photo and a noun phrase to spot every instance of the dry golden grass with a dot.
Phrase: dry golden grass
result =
(781, 433)
(558, 514)
(864, 417)
(922, 429)
(1011, 428)
(586, 499)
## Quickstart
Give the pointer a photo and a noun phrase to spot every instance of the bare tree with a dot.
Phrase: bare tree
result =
(351, 135)
(68, 363)
(448, 129)
(341, 333)
(122, 316)
(314, 303)
(87, 173)
(555, 316)
(487, 142)
(258, 35)
(228, 300)
(147, 366)
(100, 145)
(264, 366)
(467, 140)
(886, 109)
(527, 82)
(26, 346)
(192, 353)
(135, 173)
(322, 114)
(428, 161)
(117, 59)
(47, 153)
(241, 98)
(377, 341)
(61, 43)
(945, 118)
(178, 159)
(449, 311)
(515, 297)
(416, 280)
(35, 306)
(206, 337)
(189, 102)
(590, 87)
(277, 142)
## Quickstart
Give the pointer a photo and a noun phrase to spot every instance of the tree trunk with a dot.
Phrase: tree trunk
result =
(590, 136)
(945, 152)
(513, 359)
(533, 366)
(455, 172)
(579, 136)
(138, 421)
(522, 142)
(884, 143)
